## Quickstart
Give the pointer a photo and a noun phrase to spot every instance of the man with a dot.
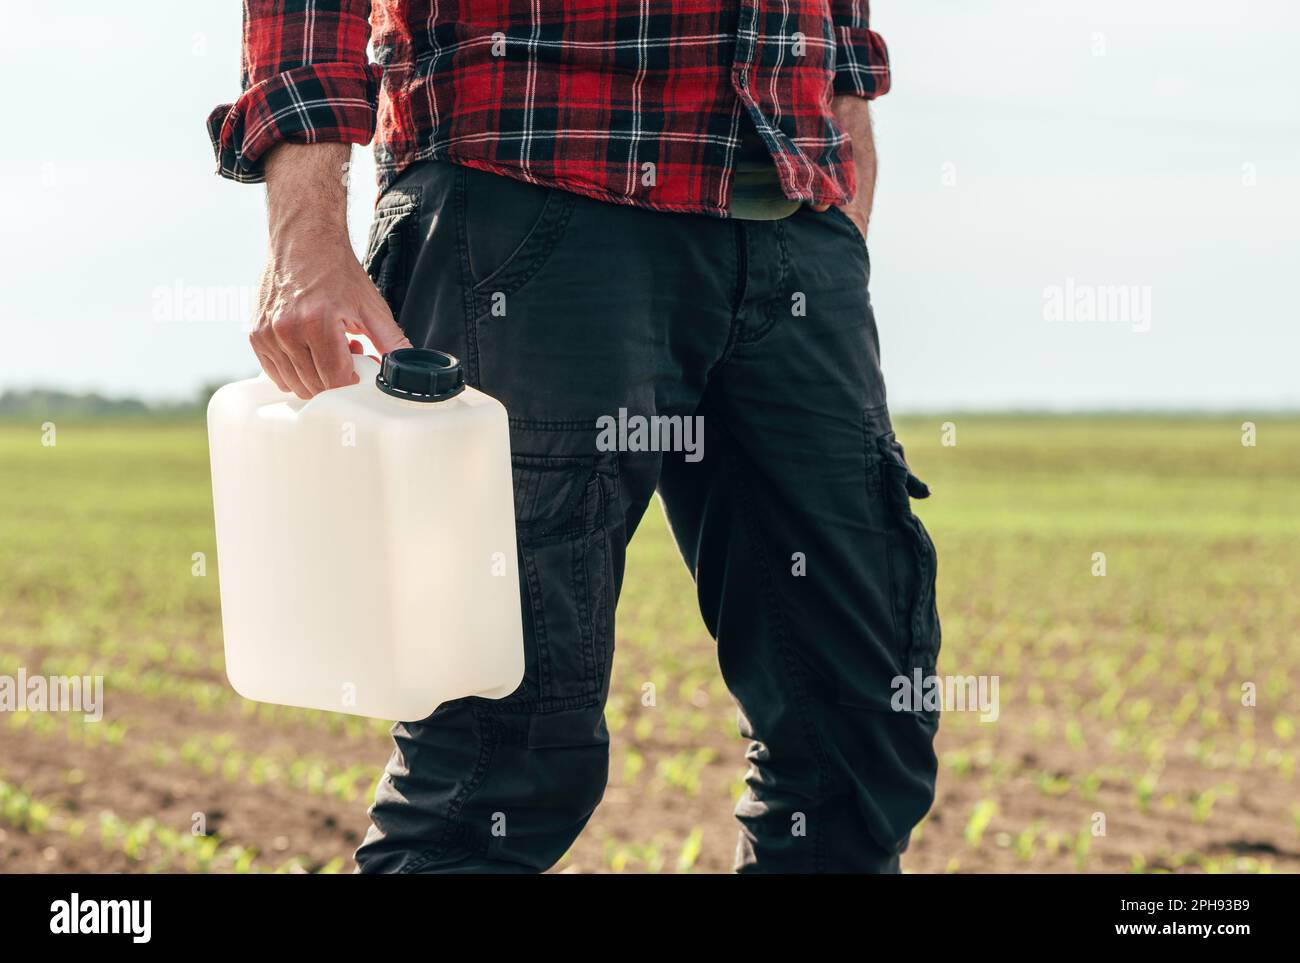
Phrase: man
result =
(607, 211)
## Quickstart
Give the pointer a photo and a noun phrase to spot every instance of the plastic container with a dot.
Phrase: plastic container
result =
(366, 540)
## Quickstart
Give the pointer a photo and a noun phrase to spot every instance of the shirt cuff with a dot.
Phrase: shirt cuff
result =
(861, 63)
(311, 104)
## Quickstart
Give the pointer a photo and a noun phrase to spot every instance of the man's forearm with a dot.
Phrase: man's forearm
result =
(864, 159)
(314, 293)
(306, 192)
(853, 114)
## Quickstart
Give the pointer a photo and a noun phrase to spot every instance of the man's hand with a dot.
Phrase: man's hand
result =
(314, 292)
(854, 118)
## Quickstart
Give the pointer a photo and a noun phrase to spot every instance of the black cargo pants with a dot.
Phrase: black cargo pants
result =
(813, 574)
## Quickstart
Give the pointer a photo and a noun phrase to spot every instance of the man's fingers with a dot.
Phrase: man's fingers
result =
(333, 357)
(302, 339)
(356, 347)
(289, 380)
(268, 356)
(290, 336)
(272, 370)
(377, 324)
(256, 342)
(292, 379)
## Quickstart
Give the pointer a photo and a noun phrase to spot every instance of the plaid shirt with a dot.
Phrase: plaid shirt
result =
(608, 98)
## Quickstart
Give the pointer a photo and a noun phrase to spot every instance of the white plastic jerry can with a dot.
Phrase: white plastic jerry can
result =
(366, 540)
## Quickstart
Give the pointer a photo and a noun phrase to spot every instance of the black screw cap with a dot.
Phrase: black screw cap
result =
(420, 374)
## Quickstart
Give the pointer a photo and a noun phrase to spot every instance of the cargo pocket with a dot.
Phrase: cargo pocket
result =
(392, 245)
(566, 574)
(912, 560)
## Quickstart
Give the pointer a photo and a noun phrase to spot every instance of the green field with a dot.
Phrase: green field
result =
(1120, 695)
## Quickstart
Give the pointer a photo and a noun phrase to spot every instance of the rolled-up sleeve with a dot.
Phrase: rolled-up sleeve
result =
(306, 79)
(861, 57)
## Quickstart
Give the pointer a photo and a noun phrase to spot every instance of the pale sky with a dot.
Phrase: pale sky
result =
(1036, 158)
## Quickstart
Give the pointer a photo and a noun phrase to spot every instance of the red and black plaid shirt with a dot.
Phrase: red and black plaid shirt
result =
(622, 100)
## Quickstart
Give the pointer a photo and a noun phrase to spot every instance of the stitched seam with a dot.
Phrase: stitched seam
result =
(582, 606)
(794, 670)
(474, 374)
(768, 310)
(391, 248)
(770, 306)
(923, 652)
(539, 624)
(529, 424)
(852, 226)
(922, 646)
(543, 706)
(383, 218)
(488, 738)
(521, 269)
(526, 246)
(740, 260)
(605, 653)
(440, 152)
(873, 469)
(592, 645)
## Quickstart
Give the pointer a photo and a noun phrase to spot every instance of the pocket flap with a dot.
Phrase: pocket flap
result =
(895, 463)
(551, 494)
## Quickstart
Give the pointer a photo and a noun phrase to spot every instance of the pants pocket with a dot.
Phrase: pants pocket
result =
(913, 564)
(392, 244)
(562, 504)
(509, 229)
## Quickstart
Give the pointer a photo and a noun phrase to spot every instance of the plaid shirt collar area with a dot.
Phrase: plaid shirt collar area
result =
(611, 99)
